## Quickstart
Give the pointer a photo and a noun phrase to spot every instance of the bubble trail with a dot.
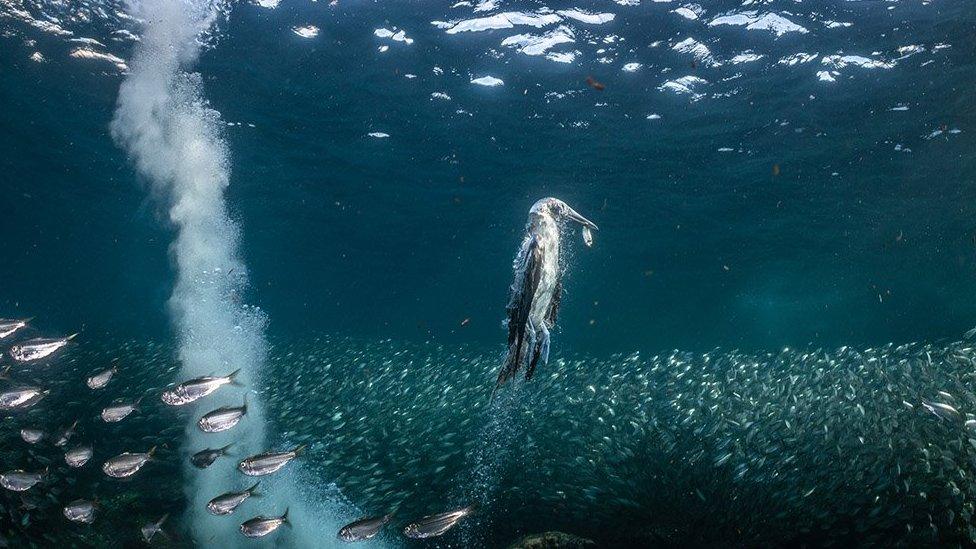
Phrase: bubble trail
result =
(172, 135)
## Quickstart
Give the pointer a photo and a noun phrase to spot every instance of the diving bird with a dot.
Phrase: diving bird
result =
(535, 292)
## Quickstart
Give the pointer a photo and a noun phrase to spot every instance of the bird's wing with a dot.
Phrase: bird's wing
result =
(523, 290)
(528, 274)
(557, 294)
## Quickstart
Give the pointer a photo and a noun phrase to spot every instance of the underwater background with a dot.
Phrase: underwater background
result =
(778, 293)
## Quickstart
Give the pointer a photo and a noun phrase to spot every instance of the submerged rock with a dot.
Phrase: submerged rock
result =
(551, 540)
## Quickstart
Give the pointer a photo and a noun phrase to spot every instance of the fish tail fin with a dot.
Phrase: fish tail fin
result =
(284, 518)
(473, 508)
(162, 520)
(151, 451)
(300, 449)
(252, 489)
(232, 378)
(225, 448)
(137, 403)
(72, 336)
(245, 403)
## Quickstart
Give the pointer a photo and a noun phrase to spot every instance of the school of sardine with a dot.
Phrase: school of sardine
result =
(872, 445)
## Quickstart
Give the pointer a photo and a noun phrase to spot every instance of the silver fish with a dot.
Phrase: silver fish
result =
(267, 463)
(435, 525)
(78, 456)
(102, 378)
(262, 526)
(222, 418)
(38, 348)
(127, 464)
(22, 397)
(363, 529)
(205, 458)
(197, 388)
(225, 504)
(117, 412)
(587, 236)
(80, 510)
(63, 435)
(150, 529)
(31, 436)
(19, 481)
(9, 326)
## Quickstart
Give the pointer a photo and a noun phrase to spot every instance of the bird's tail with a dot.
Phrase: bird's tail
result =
(516, 357)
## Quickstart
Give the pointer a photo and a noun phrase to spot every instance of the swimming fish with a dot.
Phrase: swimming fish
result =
(78, 456)
(262, 526)
(587, 236)
(127, 464)
(19, 480)
(63, 435)
(102, 378)
(225, 504)
(31, 436)
(117, 412)
(363, 529)
(9, 326)
(150, 529)
(80, 510)
(267, 463)
(205, 458)
(23, 397)
(38, 348)
(222, 418)
(197, 388)
(435, 525)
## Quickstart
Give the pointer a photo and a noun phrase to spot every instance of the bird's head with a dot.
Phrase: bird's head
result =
(557, 210)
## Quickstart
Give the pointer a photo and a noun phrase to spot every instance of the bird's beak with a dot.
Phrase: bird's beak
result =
(575, 216)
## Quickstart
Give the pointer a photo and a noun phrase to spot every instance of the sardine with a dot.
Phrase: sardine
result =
(267, 463)
(117, 412)
(197, 388)
(102, 378)
(80, 510)
(150, 529)
(20, 481)
(363, 529)
(78, 456)
(205, 458)
(127, 464)
(23, 397)
(225, 504)
(31, 436)
(435, 525)
(587, 236)
(9, 326)
(222, 418)
(38, 348)
(262, 526)
(63, 435)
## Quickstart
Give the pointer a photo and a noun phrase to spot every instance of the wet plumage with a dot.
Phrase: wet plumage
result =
(536, 290)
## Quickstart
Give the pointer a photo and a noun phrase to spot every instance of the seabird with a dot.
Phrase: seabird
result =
(536, 290)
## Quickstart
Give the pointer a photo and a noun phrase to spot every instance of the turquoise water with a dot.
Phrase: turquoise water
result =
(785, 199)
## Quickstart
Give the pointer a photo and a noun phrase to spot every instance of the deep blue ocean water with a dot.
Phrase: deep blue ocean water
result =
(778, 209)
